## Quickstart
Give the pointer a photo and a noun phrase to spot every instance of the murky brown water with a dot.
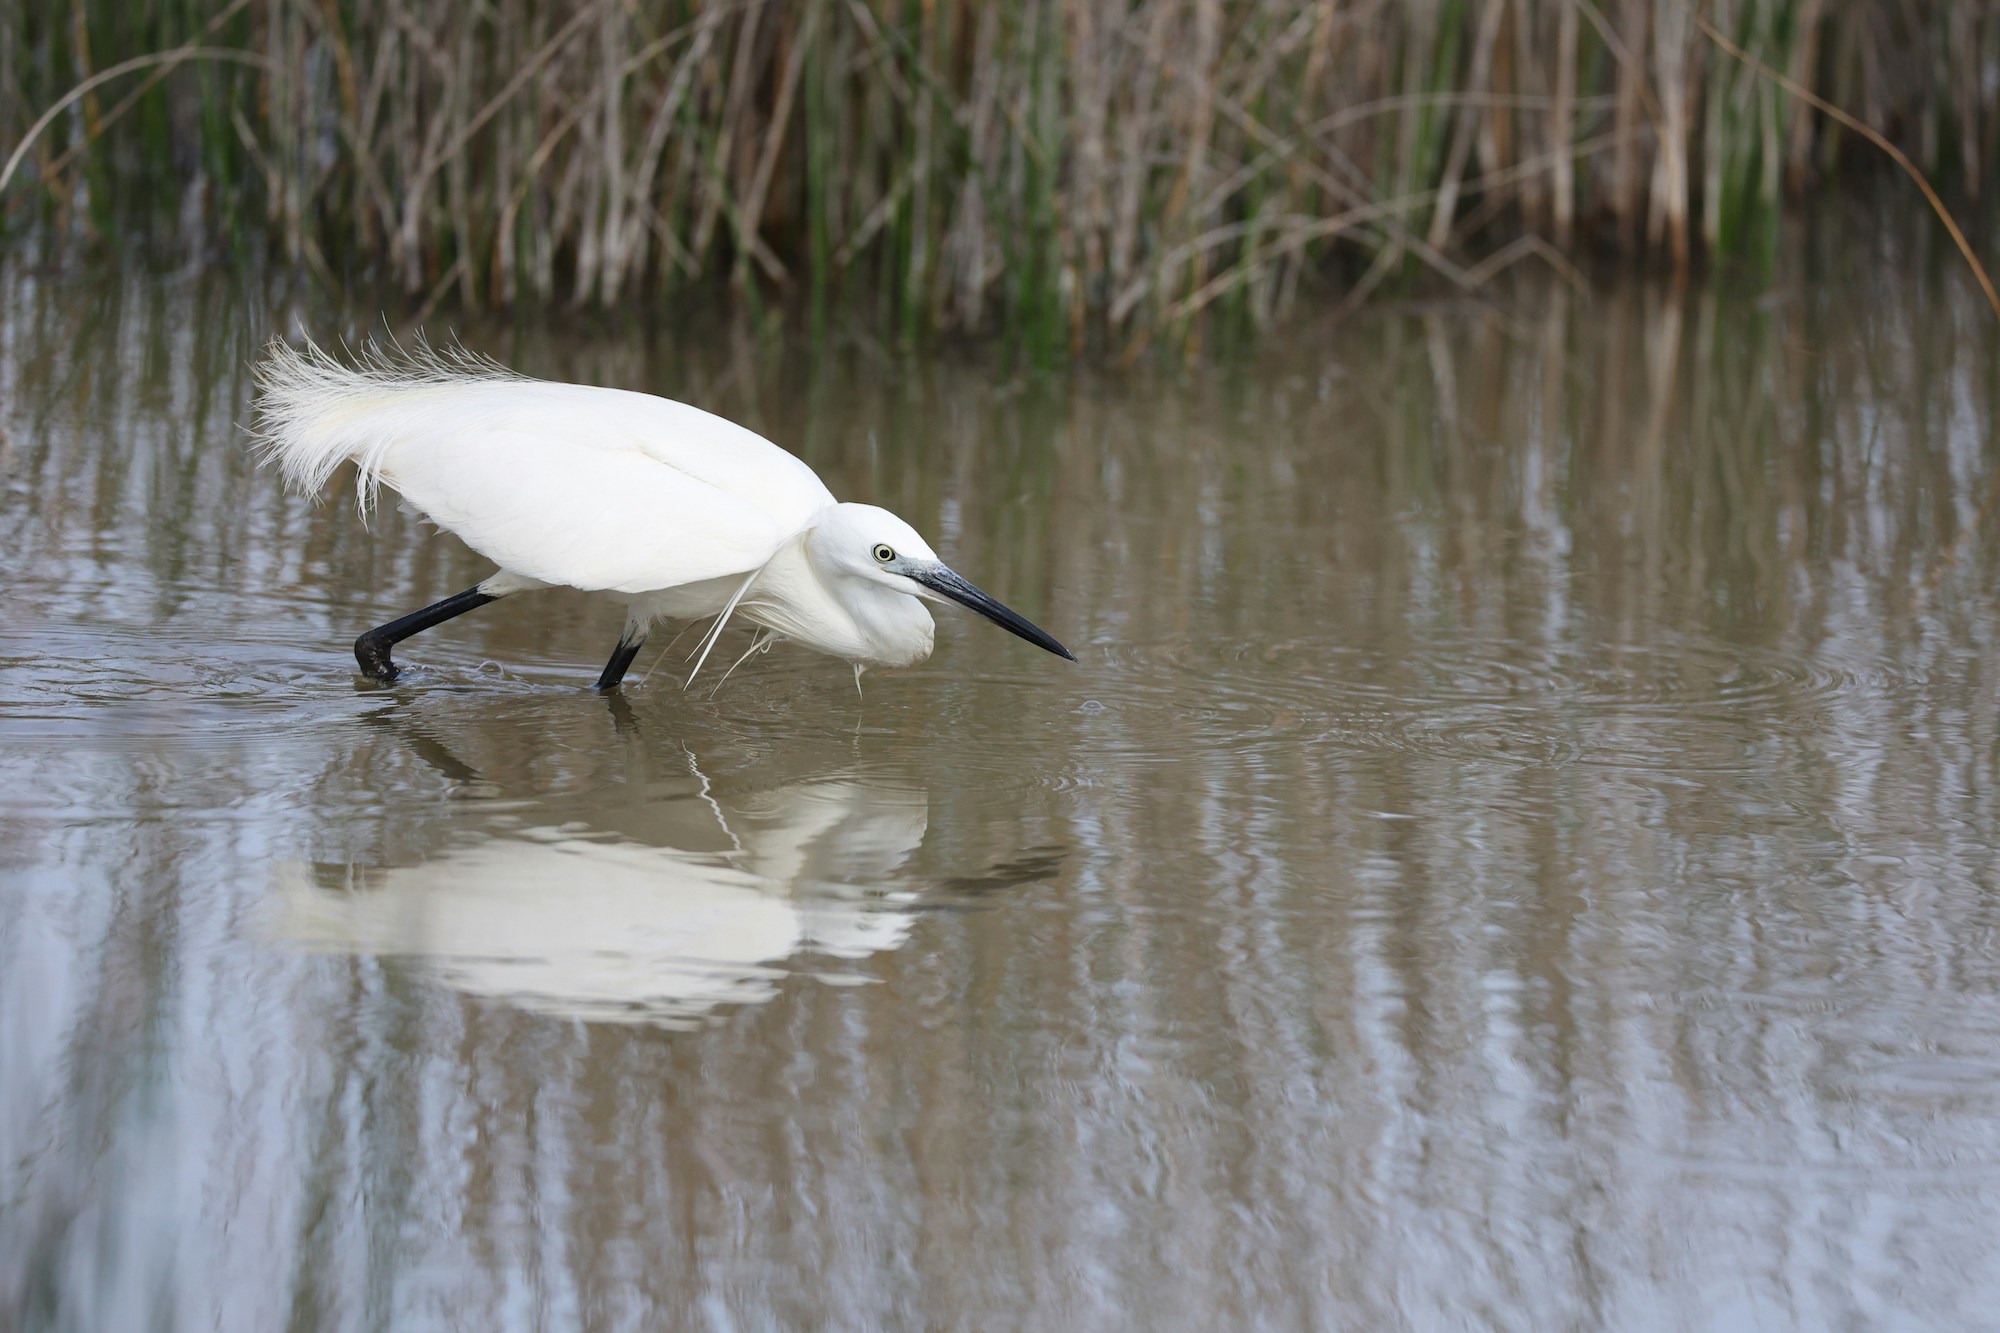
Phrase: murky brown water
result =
(1518, 851)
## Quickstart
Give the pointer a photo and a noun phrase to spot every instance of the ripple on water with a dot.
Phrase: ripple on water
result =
(1698, 707)
(117, 684)
(1679, 706)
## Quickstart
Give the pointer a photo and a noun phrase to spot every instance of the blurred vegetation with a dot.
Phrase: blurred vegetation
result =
(1082, 174)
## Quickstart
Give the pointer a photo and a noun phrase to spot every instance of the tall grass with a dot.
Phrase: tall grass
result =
(1082, 171)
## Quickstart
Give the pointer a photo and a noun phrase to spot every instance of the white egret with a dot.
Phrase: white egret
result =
(679, 513)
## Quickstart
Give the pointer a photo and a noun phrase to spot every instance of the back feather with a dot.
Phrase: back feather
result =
(314, 413)
(601, 489)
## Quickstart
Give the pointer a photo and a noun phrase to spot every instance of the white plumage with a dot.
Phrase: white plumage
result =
(676, 511)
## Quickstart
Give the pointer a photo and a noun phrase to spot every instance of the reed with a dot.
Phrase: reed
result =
(1082, 173)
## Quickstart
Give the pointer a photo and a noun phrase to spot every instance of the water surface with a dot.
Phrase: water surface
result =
(1516, 852)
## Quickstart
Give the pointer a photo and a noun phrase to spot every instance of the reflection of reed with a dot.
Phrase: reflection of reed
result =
(1532, 853)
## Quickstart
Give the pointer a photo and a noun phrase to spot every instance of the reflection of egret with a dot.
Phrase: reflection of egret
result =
(610, 927)
(678, 513)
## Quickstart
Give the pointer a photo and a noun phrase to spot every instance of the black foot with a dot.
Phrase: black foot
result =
(371, 650)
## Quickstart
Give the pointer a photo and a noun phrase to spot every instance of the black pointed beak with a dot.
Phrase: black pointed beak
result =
(942, 581)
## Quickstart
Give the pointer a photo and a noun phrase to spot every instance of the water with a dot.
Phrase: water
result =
(1516, 853)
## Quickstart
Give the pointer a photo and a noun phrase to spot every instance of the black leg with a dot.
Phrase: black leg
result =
(371, 650)
(621, 658)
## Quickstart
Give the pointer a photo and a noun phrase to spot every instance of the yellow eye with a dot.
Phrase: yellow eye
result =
(884, 553)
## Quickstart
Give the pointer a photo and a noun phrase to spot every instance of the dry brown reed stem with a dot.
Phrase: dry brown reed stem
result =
(1076, 171)
(131, 99)
(104, 76)
(1873, 136)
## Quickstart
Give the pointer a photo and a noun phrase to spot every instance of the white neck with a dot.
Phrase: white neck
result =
(842, 615)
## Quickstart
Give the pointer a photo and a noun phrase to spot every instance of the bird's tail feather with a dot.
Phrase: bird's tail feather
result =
(315, 412)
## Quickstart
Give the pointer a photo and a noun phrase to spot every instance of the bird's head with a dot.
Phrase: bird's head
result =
(864, 542)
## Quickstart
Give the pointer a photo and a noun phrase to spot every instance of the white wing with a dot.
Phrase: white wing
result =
(594, 488)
